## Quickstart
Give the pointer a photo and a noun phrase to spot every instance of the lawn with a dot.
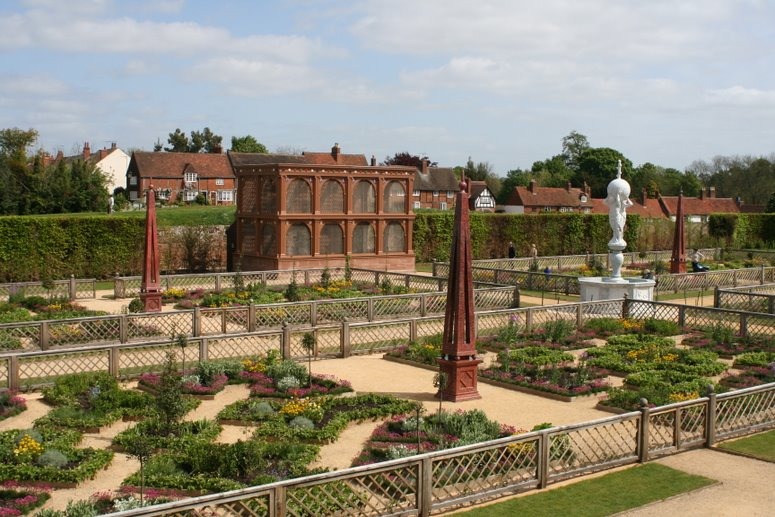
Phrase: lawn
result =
(761, 446)
(605, 495)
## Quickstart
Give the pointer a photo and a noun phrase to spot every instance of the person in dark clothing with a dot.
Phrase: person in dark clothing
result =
(512, 250)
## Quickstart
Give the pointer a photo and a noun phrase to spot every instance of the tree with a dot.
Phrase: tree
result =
(247, 144)
(573, 146)
(201, 141)
(408, 160)
(597, 167)
(178, 141)
(771, 204)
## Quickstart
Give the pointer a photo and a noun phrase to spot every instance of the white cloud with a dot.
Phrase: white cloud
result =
(255, 78)
(740, 96)
(31, 85)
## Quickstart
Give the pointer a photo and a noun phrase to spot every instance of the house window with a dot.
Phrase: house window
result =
(225, 195)
(416, 193)
(191, 195)
(417, 204)
(547, 209)
(219, 181)
(133, 180)
(450, 193)
(435, 193)
(443, 205)
(189, 178)
(163, 193)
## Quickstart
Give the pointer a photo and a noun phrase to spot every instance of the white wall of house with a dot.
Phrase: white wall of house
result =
(114, 166)
(513, 209)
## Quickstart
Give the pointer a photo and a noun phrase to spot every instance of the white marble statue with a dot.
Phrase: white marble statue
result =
(618, 200)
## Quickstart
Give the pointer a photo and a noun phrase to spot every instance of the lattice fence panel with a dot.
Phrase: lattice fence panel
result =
(493, 299)
(85, 289)
(743, 301)
(255, 506)
(738, 412)
(150, 358)
(190, 282)
(484, 471)
(761, 325)
(36, 370)
(212, 321)
(72, 332)
(554, 313)
(378, 337)
(361, 276)
(276, 315)
(145, 326)
(396, 306)
(388, 492)
(243, 346)
(26, 334)
(491, 323)
(338, 311)
(693, 423)
(329, 341)
(424, 284)
(5, 373)
(429, 327)
(601, 309)
(435, 303)
(662, 433)
(592, 448)
(483, 275)
(131, 287)
(698, 318)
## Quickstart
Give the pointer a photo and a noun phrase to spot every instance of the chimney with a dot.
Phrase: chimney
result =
(424, 165)
(702, 193)
(568, 186)
(532, 186)
(373, 161)
(60, 155)
(86, 151)
(711, 192)
(216, 149)
(113, 146)
(335, 152)
(644, 195)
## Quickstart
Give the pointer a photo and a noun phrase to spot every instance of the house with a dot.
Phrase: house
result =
(535, 199)
(181, 177)
(643, 205)
(321, 209)
(112, 161)
(697, 209)
(480, 199)
(434, 187)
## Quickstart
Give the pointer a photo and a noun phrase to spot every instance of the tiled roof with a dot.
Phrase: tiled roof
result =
(357, 160)
(540, 197)
(437, 178)
(648, 207)
(173, 165)
(477, 187)
(700, 206)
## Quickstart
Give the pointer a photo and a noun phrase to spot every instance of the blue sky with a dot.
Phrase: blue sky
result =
(501, 81)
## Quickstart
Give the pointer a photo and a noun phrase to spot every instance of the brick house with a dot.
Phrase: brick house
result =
(535, 199)
(434, 187)
(316, 209)
(697, 209)
(181, 177)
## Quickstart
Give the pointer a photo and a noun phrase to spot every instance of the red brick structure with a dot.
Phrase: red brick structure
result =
(434, 187)
(182, 177)
(678, 258)
(316, 209)
(150, 285)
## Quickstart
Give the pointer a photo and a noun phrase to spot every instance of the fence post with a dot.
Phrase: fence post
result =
(286, 341)
(113, 362)
(626, 307)
(423, 304)
(13, 373)
(196, 327)
(515, 300)
(412, 330)
(204, 349)
(344, 339)
(218, 283)
(123, 333)
(682, 316)
(761, 274)
(280, 502)
(370, 309)
(43, 338)
(425, 487)
(433, 267)
(543, 459)
(716, 297)
(73, 291)
(710, 415)
(734, 277)
(118, 287)
(313, 313)
(251, 317)
(743, 324)
(528, 320)
(643, 432)
(771, 305)
(579, 316)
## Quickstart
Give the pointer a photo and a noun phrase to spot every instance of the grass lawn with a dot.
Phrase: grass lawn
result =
(760, 446)
(605, 495)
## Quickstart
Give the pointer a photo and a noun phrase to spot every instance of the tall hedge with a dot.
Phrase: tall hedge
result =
(35, 248)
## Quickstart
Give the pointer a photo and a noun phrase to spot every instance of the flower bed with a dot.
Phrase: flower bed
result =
(11, 404)
(310, 419)
(19, 500)
(190, 384)
(755, 368)
(559, 334)
(153, 434)
(724, 342)
(426, 351)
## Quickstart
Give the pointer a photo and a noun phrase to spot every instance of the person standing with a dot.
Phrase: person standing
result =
(512, 250)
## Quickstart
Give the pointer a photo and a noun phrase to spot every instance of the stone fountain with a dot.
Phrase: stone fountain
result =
(616, 286)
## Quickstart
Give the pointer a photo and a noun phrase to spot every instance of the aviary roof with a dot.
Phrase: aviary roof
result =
(240, 159)
(173, 165)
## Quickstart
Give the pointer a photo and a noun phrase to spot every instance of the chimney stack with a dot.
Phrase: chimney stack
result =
(113, 145)
(373, 161)
(532, 186)
(424, 165)
(568, 186)
(86, 151)
(335, 152)
(711, 192)
(644, 195)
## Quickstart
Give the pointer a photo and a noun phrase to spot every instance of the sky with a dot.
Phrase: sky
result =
(501, 81)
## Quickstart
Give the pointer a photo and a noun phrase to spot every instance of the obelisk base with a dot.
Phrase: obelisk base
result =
(151, 301)
(461, 379)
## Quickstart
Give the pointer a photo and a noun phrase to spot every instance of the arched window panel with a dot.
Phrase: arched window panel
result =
(395, 238)
(298, 241)
(299, 197)
(248, 235)
(364, 238)
(364, 198)
(268, 240)
(331, 239)
(394, 197)
(247, 195)
(332, 198)
(269, 195)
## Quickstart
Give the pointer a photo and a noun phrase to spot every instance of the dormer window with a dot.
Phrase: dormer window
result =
(190, 177)
(583, 198)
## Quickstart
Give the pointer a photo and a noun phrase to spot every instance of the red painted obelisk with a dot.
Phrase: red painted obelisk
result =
(150, 291)
(678, 259)
(458, 350)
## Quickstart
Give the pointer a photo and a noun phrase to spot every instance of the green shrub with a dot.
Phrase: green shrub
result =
(661, 327)
(301, 422)
(557, 330)
(287, 368)
(136, 305)
(604, 325)
(760, 359)
(52, 458)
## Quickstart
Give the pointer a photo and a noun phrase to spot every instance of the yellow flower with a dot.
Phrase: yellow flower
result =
(28, 448)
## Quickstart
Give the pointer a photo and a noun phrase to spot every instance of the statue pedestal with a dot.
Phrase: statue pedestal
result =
(607, 288)
(461, 379)
(151, 301)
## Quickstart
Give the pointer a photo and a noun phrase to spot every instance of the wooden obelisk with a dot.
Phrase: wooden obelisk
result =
(150, 290)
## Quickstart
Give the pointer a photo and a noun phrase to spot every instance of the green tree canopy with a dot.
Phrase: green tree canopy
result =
(573, 145)
(247, 144)
(597, 167)
(204, 141)
(410, 160)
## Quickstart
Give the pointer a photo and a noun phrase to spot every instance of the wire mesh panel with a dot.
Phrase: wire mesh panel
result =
(267, 244)
(247, 193)
(491, 323)
(298, 240)
(243, 346)
(364, 238)
(749, 408)
(394, 237)
(493, 298)
(145, 326)
(435, 303)
(593, 447)
(394, 197)
(364, 198)
(332, 198)
(390, 491)
(92, 330)
(379, 337)
(601, 309)
(35, 370)
(299, 197)
(487, 472)
(331, 239)
(268, 197)
(662, 433)
(699, 318)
